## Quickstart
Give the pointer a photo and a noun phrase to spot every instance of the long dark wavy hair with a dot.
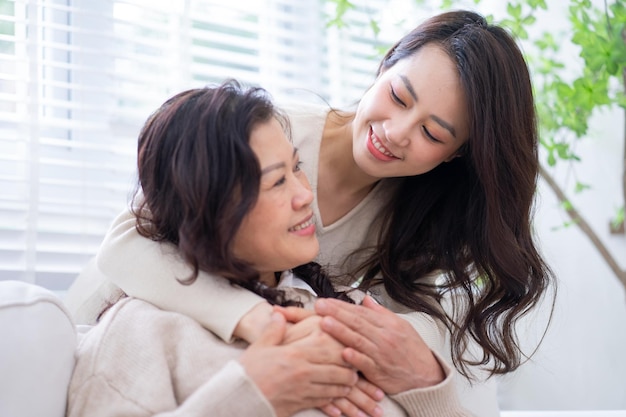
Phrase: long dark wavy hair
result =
(470, 218)
(199, 178)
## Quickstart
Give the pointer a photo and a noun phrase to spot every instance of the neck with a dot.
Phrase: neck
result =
(341, 184)
(338, 172)
(268, 278)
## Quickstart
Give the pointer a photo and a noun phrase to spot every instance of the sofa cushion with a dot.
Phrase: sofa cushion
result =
(37, 347)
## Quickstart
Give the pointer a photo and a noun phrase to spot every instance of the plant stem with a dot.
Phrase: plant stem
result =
(585, 227)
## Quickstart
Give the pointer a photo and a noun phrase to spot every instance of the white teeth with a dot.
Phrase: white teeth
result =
(379, 146)
(302, 225)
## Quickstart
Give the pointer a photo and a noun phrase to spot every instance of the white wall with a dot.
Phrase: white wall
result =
(581, 363)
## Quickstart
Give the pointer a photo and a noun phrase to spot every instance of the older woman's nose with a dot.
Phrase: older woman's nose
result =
(303, 196)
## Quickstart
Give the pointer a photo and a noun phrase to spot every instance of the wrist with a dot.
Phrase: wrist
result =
(253, 322)
(436, 375)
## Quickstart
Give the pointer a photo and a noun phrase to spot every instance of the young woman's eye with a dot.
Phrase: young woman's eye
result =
(297, 167)
(280, 182)
(395, 97)
(429, 135)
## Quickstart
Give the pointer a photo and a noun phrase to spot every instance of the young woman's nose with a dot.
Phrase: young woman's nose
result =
(303, 195)
(398, 132)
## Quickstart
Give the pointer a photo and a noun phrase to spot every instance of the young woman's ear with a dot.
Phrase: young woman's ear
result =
(451, 157)
(459, 153)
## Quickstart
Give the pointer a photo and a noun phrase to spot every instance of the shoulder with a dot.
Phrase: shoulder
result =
(130, 323)
(135, 337)
(304, 113)
(306, 122)
(138, 316)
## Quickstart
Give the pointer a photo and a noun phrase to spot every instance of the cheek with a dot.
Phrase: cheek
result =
(365, 107)
(429, 155)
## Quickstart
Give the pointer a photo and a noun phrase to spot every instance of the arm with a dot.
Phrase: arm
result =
(439, 400)
(383, 346)
(389, 350)
(229, 393)
(186, 371)
(148, 270)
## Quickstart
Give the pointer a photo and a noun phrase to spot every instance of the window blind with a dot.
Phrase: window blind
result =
(79, 77)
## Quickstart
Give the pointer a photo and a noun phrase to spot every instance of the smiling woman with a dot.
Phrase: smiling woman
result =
(413, 133)
(279, 232)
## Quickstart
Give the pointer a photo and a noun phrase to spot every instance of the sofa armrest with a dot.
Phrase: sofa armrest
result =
(37, 347)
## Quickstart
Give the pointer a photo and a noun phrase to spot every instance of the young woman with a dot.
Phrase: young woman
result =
(424, 195)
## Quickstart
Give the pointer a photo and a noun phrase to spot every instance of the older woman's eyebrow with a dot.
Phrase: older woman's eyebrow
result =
(277, 165)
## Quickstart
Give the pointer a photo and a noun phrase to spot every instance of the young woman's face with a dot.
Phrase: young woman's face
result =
(279, 232)
(413, 118)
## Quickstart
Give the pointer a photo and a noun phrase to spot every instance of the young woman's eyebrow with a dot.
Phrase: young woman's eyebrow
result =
(444, 124)
(438, 120)
(408, 86)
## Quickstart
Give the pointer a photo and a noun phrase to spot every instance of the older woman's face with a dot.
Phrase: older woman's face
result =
(413, 118)
(279, 232)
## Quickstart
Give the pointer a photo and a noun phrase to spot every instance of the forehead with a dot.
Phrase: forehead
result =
(434, 77)
(270, 143)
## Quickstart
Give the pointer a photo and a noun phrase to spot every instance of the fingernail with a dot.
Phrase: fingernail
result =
(334, 410)
(378, 412)
(276, 316)
(321, 303)
(379, 394)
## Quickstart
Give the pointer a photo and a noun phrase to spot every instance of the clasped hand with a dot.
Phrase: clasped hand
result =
(307, 369)
(344, 358)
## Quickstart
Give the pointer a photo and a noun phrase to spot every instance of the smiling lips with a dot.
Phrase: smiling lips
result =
(377, 149)
(304, 228)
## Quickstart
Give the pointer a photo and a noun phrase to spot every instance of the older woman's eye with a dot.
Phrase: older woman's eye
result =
(280, 182)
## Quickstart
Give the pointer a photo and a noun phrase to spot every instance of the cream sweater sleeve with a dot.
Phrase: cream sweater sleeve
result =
(229, 393)
(442, 399)
(140, 361)
(149, 270)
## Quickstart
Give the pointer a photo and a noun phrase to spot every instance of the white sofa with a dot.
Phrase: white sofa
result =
(37, 356)
(36, 351)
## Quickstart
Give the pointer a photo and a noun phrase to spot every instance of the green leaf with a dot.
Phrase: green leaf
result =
(341, 7)
(580, 187)
(618, 219)
(375, 27)
(566, 205)
(514, 11)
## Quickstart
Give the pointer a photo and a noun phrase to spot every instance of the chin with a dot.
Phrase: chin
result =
(308, 256)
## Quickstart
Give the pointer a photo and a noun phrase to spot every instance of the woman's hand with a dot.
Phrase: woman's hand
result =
(384, 347)
(363, 397)
(251, 326)
(308, 373)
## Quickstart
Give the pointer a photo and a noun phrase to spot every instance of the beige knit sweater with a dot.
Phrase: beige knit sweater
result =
(143, 361)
